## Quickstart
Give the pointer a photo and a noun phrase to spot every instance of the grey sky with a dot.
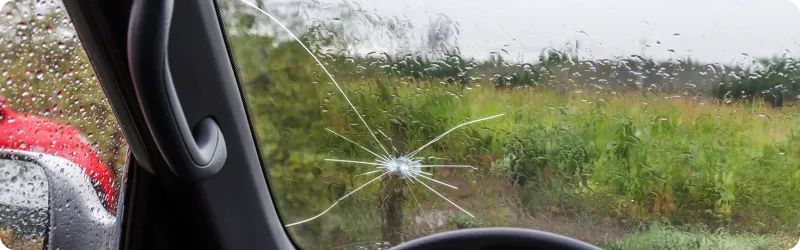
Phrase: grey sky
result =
(709, 30)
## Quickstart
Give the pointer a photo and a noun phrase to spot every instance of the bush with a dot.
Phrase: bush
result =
(675, 239)
(462, 221)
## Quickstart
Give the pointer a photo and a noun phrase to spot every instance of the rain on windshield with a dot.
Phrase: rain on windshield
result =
(627, 125)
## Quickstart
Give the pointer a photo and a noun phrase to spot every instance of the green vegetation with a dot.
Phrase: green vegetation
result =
(614, 144)
(601, 144)
(462, 221)
(666, 239)
(628, 157)
(777, 78)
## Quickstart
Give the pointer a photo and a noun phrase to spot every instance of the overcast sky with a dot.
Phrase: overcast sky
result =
(709, 30)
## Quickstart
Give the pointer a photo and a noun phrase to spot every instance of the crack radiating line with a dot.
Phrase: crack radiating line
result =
(391, 143)
(406, 166)
(359, 145)
(337, 202)
(357, 162)
(451, 130)
(447, 166)
(424, 216)
(430, 158)
(420, 172)
(434, 180)
(368, 173)
(445, 198)
(321, 65)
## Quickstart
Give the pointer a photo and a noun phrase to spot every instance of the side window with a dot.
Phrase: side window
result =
(53, 109)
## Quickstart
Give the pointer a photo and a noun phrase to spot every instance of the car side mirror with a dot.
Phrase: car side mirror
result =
(50, 199)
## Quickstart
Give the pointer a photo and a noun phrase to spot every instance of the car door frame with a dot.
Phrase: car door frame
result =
(233, 208)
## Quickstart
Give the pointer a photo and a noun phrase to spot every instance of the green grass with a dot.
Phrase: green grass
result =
(663, 238)
(700, 241)
(686, 161)
(624, 158)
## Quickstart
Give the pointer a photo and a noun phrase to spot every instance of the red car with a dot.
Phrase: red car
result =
(38, 134)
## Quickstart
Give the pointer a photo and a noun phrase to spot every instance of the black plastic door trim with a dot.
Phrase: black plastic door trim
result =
(191, 154)
(235, 202)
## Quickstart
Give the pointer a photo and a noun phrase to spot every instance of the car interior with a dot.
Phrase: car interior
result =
(245, 124)
(216, 156)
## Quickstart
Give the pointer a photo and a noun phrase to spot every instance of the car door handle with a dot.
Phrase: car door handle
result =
(191, 154)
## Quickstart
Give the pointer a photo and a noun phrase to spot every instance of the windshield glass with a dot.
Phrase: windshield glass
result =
(625, 124)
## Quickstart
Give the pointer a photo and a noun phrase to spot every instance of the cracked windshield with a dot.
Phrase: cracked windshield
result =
(625, 124)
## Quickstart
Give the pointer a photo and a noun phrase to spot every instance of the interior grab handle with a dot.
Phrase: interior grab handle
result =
(192, 154)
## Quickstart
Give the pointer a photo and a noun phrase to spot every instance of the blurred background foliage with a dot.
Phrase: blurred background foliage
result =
(616, 146)
(605, 143)
(610, 145)
(46, 73)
